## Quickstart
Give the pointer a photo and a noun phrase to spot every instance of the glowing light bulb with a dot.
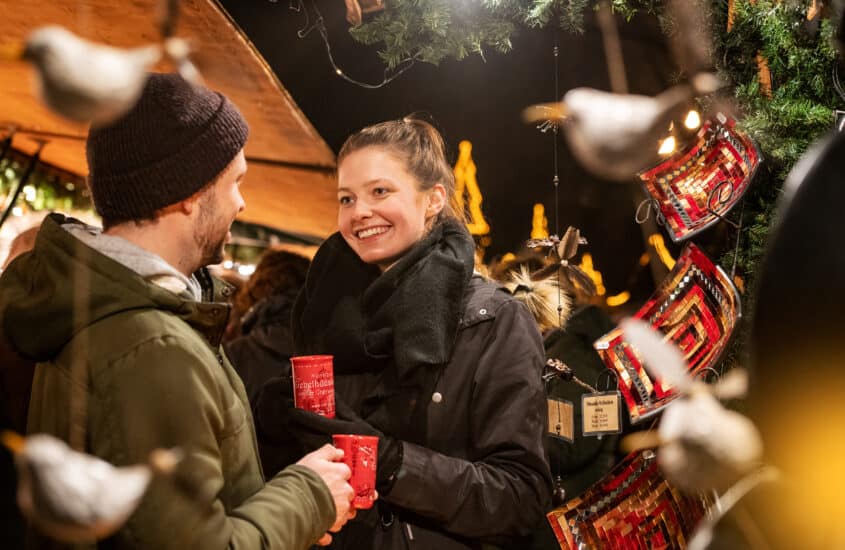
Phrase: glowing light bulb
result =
(693, 120)
(667, 146)
(29, 193)
(338, 71)
(246, 270)
(619, 299)
(662, 252)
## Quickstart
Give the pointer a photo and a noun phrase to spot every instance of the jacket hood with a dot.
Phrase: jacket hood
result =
(50, 294)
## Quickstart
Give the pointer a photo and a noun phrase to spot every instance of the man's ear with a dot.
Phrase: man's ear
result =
(188, 205)
(436, 200)
(185, 206)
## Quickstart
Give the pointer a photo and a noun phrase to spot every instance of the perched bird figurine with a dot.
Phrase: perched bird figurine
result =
(94, 83)
(75, 497)
(615, 136)
(702, 446)
(575, 280)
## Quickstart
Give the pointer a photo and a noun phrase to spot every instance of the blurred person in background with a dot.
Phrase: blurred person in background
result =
(261, 338)
(569, 333)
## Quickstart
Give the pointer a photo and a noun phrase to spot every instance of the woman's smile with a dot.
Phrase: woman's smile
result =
(370, 233)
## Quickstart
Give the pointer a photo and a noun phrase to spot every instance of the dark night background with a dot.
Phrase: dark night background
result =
(480, 101)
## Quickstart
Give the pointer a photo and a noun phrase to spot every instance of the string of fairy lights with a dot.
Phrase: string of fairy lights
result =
(319, 25)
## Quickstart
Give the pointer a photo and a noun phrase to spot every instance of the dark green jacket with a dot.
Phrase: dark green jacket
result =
(156, 378)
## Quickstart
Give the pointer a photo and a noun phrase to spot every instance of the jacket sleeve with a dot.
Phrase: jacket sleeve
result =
(164, 393)
(504, 487)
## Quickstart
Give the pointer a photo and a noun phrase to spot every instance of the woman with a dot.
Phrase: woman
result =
(442, 365)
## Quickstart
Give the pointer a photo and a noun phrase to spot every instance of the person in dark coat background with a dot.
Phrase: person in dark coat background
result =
(443, 365)
(261, 342)
(585, 460)
(568, 336)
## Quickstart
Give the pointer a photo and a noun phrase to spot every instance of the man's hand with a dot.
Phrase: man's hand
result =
(325, 461)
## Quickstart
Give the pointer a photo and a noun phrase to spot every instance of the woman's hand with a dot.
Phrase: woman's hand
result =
(313, 430)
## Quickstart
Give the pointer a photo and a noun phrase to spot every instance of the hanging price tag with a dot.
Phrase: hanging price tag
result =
(561, 422)
(602, 413)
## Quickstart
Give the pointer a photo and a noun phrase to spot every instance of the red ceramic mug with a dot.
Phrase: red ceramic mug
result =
(313, 383)
(360, 453)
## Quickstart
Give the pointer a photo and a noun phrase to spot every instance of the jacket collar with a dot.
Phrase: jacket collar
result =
(43, 289)
(212, 314)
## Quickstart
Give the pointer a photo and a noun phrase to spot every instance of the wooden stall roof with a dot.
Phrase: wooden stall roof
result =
(289, 185)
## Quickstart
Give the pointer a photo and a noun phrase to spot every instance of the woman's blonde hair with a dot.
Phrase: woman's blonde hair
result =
(419, 146)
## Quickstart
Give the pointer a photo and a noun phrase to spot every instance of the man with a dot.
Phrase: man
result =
(134, 306)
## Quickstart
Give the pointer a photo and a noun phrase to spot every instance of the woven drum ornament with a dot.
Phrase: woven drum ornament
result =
(631, 508)
(697, 307)
(700, 183)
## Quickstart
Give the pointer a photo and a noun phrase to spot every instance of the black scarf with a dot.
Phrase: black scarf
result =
(407, 316)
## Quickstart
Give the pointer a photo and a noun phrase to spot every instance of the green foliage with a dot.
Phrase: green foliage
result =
(432, 30)
(800, 109)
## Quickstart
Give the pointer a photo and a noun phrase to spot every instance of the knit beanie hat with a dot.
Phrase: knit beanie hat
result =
(172, 143)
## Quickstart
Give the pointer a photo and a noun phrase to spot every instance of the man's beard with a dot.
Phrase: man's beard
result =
(208, 236)
(212, 251)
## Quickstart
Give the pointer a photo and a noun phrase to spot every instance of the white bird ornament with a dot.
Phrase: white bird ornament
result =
(615, 136)
(94, 83)
(76, 497)
(702, 445)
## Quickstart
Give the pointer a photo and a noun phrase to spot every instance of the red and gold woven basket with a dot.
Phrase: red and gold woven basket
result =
(697, 307)
(631, 508)
(703, 181)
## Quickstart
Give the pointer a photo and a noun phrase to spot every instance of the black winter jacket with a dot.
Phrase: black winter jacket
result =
(479, 472)
(474, 469)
